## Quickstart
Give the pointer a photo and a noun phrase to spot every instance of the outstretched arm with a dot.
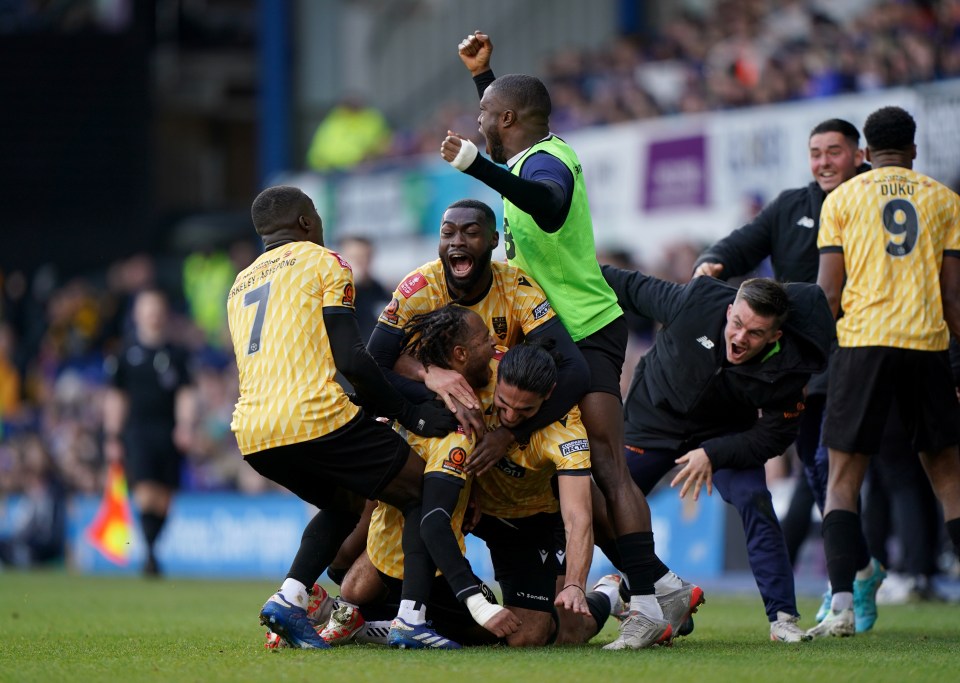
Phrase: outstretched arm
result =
(546, 197)
(576, 509)
(742, 250)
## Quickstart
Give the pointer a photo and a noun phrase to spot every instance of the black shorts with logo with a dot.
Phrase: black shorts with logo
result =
(363, 457)
(527, 554)
(864, 381)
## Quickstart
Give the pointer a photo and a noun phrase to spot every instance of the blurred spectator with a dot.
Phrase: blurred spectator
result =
(725, 54)
(371, 295)
(9, 379)
(39, 516)
(207, 278)
(350, 133)
(214, 461)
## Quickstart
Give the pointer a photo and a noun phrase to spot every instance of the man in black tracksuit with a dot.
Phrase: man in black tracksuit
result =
(720, 393)
(786, 232)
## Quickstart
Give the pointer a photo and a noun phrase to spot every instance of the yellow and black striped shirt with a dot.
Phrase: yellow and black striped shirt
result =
(893, 226)
(288, 390)
(514, 306)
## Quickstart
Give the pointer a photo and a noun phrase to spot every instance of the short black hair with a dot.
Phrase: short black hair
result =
(530, 366)
(845, 128)
(765, 297)
(889, 128)
(276, 207)
(488, 214)
(524, 93)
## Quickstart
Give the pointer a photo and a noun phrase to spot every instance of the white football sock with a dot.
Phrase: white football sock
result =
(841, 601)
(667, 583)
(647, 605)
(411, 614)
(295, 593)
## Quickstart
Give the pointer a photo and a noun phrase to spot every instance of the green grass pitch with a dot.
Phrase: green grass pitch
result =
(58, 627)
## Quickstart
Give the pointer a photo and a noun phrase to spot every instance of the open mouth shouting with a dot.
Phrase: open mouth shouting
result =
(736, 353)
(461, 265)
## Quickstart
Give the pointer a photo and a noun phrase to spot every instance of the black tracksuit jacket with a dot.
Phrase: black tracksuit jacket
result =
(684, 395)
(785, 230)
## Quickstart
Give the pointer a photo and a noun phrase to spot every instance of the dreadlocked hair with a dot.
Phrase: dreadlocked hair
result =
(431, 337)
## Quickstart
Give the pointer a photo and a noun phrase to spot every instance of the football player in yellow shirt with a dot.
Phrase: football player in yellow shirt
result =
(512, 305)
(890, 259)
(291, 317)
(528, 547)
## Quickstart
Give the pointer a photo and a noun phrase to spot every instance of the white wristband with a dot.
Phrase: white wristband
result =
(481, 610)
(468, 152)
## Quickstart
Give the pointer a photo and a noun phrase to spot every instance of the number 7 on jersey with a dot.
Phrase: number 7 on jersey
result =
(258, 296)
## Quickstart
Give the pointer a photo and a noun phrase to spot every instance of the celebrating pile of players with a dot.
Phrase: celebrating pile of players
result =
(487, 400)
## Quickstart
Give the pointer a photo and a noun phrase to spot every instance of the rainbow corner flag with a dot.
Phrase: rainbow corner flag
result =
(111, 530)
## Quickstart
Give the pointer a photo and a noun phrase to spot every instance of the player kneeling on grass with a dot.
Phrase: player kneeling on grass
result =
(525, 534)
(457, 339)
(563, 444)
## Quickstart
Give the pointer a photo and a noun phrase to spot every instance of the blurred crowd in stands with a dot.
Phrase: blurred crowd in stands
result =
(54, 340)
(733, 53)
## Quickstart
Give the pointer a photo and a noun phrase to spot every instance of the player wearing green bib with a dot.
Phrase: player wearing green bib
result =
(564, 259)
(549, 233)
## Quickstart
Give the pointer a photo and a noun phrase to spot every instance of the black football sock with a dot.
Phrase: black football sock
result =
(845, 548)
(319, 544)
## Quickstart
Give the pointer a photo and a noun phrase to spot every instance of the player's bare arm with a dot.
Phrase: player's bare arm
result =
(576, 510)
(830, 278)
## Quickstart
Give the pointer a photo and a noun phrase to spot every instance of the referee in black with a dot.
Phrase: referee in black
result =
(148, 417)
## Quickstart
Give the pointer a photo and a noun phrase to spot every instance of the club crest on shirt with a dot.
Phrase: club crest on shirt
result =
(500, 326)
(455, 461)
